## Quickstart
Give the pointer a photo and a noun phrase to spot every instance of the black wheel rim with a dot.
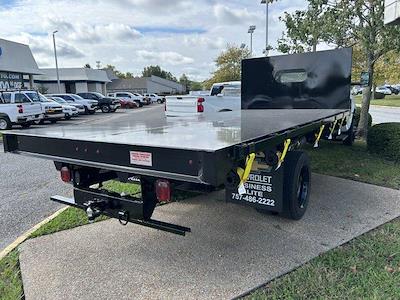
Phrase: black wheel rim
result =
(303, 185)
(3, 124)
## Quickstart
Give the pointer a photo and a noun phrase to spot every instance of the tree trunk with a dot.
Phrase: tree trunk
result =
(314, 47)
(362, 129)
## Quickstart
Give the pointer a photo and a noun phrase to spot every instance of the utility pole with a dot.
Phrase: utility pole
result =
(266, 27)
(55, 57)
(251, 31)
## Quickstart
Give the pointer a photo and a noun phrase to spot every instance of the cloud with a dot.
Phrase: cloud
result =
(231, 16)
(215, 43)
(167, 57)
(87, 33)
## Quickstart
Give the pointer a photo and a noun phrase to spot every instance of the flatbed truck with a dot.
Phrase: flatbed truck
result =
(254, 153)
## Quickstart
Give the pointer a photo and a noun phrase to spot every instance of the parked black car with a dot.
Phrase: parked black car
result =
(106, 104)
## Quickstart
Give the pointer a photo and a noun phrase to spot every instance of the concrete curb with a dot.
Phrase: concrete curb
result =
(26, 234)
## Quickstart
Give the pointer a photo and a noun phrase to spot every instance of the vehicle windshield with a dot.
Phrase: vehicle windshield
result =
(35, 97)
(98, 95)
(76, 97)
(59, 100)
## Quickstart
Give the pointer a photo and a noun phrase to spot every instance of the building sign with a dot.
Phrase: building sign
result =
(10, 80)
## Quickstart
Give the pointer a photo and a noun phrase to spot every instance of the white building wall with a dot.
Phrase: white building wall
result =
(153, 87)
(81, 87)
(392, 12)
(95, 87)
(51, 87)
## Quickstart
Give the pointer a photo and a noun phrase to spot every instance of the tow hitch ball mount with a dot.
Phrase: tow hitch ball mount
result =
(94, 209)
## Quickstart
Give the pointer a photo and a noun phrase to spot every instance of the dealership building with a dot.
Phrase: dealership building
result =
(18, 69)
(16, 63)
(72, 80)
(143, 85)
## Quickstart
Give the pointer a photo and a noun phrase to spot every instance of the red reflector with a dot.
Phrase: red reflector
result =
(65, 174)
(163, 190)
(200, 107)
(20, 109)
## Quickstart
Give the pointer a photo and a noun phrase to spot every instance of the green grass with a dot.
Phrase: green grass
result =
(387, 101)
(10, 277)
(367, 267)
(354, 163)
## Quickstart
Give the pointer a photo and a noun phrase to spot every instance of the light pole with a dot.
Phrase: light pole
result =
(251, 31)
(266, 26)
(55, 57)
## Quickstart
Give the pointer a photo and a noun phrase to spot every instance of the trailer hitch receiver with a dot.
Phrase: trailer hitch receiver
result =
(94, 209)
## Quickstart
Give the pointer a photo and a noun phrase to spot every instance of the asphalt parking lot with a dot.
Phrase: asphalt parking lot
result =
(27, 183)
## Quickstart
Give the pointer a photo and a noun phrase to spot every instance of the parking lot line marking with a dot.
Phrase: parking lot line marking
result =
(26, 234)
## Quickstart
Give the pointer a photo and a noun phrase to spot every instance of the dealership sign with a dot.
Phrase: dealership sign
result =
(10, 80)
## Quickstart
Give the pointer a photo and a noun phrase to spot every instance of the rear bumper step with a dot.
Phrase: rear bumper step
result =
(124, 209)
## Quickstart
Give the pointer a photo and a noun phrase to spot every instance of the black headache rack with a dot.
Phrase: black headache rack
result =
(205, 151)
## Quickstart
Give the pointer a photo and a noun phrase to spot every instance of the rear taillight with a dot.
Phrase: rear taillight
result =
(65, 174)
(163, 190)
(20, 109)
(200, 107)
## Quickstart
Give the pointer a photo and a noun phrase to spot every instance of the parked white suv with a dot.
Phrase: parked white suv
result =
(90, 105)
(139, 99)
(80, 109)
(154, 98)
(18, 109)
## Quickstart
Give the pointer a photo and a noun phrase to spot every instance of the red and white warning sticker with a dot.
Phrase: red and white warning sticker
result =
(141, 158)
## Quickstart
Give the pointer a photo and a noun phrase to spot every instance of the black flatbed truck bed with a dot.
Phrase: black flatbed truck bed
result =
(257, 144)
(188, 149)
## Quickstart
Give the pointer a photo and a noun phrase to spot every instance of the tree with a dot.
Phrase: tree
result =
(366, 27)
(87, 66)
(190, 85)
(196, 86)
(229, 65)
(345, 23)
(304, 28)
(184, 80)
(157, 71)
(119, 74)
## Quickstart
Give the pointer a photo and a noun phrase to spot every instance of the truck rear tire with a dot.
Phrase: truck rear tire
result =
(296, 185)
(5, 123)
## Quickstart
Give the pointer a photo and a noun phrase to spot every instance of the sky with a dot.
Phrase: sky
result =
(182, 36)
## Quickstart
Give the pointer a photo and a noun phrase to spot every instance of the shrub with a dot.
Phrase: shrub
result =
(357, 117)
(384, 139)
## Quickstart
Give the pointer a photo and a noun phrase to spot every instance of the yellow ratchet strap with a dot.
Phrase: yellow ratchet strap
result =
(286, 145)
(244, 174)
(341, 124)
(321, 129)
(332, 129)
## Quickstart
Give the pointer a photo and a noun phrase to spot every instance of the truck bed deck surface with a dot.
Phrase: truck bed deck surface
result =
(208, 134)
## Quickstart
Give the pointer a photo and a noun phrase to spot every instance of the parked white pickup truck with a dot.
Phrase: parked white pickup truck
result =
(223, 96)
(18, 109)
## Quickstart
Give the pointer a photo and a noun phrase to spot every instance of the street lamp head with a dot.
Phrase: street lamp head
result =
(252, 27)
(242, 46)
(54, 32)
(264, 2)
